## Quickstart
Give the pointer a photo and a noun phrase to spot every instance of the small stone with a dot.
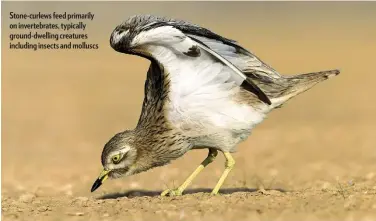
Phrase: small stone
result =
(106, 215)
(79, 214)
(76, 214)
(43, 209)
(27, 198)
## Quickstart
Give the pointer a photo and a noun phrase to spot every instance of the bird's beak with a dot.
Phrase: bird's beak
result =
(102, 177)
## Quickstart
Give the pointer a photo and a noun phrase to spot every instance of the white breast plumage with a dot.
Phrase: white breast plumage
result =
(201, 95)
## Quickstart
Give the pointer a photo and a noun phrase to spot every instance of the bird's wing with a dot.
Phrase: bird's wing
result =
(175, 44)
(175, 38)
(227, 48)
(155, 93)
(244, 60)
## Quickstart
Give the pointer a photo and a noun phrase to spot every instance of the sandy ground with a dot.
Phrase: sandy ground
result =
(325, 173)
(313, 159)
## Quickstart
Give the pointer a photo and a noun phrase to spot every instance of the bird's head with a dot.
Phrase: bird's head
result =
(138, 32)
(122, 36)
(118, 158)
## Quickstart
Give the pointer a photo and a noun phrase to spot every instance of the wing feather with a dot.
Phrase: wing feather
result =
(240, 57)
(238, 76)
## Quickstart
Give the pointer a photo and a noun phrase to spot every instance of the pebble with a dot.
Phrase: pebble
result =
(76, 214)
(43, 209)
(27, 198)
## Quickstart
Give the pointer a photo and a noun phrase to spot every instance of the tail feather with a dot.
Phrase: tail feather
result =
(297, 84)
(303, 82)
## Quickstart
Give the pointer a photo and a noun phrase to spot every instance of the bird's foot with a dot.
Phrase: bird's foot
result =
(169, 192)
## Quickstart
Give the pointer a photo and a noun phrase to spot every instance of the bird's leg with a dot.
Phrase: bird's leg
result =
(230, 162)
(177, 192)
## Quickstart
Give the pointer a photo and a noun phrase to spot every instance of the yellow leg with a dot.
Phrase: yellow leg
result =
(179, 191)
(230, 162)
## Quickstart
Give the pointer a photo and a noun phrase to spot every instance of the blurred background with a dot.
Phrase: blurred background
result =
(60, 107)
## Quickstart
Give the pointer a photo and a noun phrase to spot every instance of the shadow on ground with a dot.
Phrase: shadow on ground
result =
(141, 193)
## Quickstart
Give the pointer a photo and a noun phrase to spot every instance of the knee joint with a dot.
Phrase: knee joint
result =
(212, 155)
(230, 163)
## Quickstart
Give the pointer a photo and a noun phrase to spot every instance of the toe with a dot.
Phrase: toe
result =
(169, 192)
(164, 193)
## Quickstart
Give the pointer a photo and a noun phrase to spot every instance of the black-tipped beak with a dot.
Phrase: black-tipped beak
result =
(96, 185)
(102, 177)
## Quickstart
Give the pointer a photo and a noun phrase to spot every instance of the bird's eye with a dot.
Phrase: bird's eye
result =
(116, 158)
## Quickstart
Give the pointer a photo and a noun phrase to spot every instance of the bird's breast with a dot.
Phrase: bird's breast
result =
(202, 95)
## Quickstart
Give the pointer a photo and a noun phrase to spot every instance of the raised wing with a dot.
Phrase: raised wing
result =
(228, 49)
(177, 45)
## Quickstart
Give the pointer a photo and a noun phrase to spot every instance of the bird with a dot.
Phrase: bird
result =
(202, 91)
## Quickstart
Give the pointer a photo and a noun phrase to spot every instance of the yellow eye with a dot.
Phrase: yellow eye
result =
(116, 158)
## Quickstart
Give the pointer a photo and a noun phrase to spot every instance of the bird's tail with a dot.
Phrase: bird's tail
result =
(299, 83)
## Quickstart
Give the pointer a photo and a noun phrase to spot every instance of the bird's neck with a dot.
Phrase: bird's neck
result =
(158, 148)
(148, 160)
